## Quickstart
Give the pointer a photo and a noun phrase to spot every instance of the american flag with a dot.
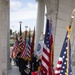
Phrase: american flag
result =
(23, 55)
(22, 47)
(20, 38)
(14, 49)
(64, 66)
(28, 46)
(22, 44)
(51, 72)
(46, 52)
(28, 51)
(70, 61)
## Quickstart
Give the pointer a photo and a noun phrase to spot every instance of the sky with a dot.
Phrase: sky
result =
(25, 11)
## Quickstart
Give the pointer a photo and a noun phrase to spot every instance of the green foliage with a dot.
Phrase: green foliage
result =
(11, 44)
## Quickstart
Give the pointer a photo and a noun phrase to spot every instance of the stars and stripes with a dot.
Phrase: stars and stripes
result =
(19, 45)
(28, 46)
(51, 72)
(64, 63)
(22, 44)
(70, 61)
(23, 55)
(14, 50)
(28, 51)
(46, 52)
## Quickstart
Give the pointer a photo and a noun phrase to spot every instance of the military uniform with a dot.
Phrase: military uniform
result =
(21, 64)
(27, 71)
(34, 65)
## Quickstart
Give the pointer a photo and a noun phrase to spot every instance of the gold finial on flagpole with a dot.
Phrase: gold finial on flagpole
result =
(69, 30)
(72, 17)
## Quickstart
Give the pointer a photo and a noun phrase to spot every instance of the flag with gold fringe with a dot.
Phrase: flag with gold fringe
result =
(47, 56)
(64, 65)
(28, 46)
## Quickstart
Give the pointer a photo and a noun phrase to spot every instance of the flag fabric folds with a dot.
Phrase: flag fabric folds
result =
(70, 61)
(19, 45)
(64, 66)
(22, 47)
(22, 44)
(23, 55)
(40, 47)
(15, 48)
(46, 64)
(28, 47)
(51, 51)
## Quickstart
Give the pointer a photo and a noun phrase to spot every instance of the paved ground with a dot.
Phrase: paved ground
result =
(14, 70)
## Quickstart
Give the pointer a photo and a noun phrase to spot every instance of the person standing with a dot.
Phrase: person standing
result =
(34, 65)
(27, 70)
(20, 63)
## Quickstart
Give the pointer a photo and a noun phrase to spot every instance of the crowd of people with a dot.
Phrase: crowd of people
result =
(28, 67)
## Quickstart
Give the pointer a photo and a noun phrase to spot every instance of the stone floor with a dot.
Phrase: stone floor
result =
(13, 70)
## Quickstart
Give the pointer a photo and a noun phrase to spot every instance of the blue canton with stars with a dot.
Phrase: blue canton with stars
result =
(47, 34)
(63, 55)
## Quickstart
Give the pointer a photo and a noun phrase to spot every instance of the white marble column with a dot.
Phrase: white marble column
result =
(4, 35)
(8, 32)
(40, 21)
(60, 12)
(0, 43)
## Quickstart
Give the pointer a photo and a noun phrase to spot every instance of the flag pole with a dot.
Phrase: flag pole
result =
(67, 60)
(26, 32)
(72, 17)
(20, 28)
(69, 30)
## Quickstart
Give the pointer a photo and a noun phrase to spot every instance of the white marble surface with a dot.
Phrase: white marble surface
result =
(14, 71)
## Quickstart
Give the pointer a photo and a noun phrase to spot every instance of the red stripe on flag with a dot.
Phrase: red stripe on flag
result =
(43, 70)
(45, 51)
(28, 51)
(44, 59)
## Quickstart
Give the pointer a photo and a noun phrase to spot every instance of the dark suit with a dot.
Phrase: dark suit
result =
(21, 64)
(34, 64)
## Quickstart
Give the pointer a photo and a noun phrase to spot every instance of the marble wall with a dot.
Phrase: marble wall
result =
(4, 36)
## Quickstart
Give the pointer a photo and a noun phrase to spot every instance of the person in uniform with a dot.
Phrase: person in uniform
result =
(27, 70)
(20, 63)
(39, 66)
(34, 65)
